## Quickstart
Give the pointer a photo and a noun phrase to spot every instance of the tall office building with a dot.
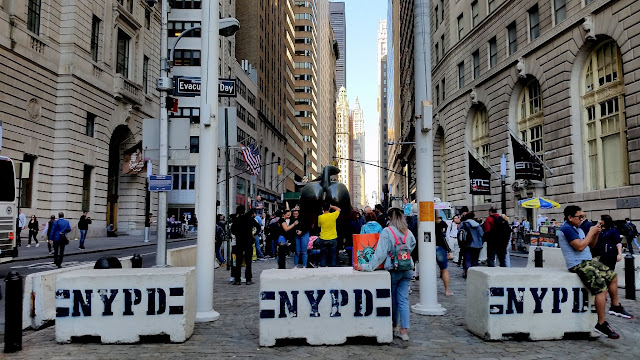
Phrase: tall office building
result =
(339, 25)
(314, 82)
(358, 197)
(266, 41)
(383, 155)
(343, 138)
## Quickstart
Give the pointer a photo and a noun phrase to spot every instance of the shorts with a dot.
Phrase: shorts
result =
(595, 275)
(441, 258)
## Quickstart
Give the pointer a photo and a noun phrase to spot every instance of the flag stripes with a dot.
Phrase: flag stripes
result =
(251, 156)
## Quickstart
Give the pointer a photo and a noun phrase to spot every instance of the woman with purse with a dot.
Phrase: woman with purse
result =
(608, 248)
(33, 231)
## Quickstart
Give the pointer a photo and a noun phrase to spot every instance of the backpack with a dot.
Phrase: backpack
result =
(465, 238)
(631, 230)
(500, 232)
(401, 257)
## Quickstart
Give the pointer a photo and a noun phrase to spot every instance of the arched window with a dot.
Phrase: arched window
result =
(530, 117)
(480, 140)
(604, 125)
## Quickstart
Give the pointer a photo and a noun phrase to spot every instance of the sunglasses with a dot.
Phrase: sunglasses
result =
(581, 217)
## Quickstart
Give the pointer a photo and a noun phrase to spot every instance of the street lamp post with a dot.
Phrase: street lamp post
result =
(163, 169)
(503, 176)
(428, 304)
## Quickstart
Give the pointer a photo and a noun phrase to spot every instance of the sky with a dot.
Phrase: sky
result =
(362, 18)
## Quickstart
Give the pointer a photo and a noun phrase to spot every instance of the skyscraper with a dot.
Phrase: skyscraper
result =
(358, 198)
(339, 25)
(383, 156)
(343, 141)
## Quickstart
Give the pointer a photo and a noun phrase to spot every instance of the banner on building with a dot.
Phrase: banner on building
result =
(479, 178)
(526, 165)
(133, 160)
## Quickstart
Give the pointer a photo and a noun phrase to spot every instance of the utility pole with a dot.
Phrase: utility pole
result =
(426, 238)
(227, 177)
(208, 163)
(163, 86)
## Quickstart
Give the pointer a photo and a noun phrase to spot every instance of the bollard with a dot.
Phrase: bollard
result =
(629, 277)
(13, 313)
(538, 257)
(136, 261)
(108, 263)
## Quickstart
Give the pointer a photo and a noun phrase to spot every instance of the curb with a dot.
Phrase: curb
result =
(16, 260)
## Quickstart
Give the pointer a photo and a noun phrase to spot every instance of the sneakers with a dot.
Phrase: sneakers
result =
(236, 283)
(398, 334)
(28, 245)
(619, 311)
(37, 244)
(249, 282)
(606, 330)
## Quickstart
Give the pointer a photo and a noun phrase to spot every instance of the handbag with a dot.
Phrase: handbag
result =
(63, 238)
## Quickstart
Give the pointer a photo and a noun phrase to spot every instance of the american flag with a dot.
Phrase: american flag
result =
(251, 156)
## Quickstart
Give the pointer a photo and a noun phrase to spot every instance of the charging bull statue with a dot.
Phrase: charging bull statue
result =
(322, 189)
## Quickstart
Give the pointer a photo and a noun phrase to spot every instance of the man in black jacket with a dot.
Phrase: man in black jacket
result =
(83, 225)
(244, 228)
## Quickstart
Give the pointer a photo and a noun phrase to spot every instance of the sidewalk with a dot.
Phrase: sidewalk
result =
(92, 245)
(236, 334)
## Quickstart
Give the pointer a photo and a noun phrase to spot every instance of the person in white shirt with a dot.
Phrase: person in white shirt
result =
(452, 238)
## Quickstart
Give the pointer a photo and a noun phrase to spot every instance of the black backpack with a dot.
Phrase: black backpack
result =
(631, 230)
(465, 238)
(500, 231)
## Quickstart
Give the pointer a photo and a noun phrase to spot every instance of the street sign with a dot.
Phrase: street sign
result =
(186, 86)
(227, 87)
(160, 183)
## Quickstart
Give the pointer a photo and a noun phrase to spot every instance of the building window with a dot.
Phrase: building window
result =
(33, 16)
(491, 5)
(192, 113)
(461, 75)
(442, 12)
(86, 188)
(176, 28)
(194, 147)
(437, 51)
(460, 26)
(187, 58)
(587, 2)
(436, 14)
(437, 95)
(534, 23)
(442, 85)
(493, 52)
(531, 118)
(122, 54)
(184, 177)
(512, 38)
(559, 10)
(147, 18)
(604, 129)
(26, 183)
(90, 125)
(480, 139)
(475, 15)
(95, 37)
(476, 64)
(145, 74)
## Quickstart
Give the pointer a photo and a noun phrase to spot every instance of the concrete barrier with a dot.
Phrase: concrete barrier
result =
(553, 259)
(185, 257)
(324, 306)
(121, 305)
(38, 306)
(538, 304)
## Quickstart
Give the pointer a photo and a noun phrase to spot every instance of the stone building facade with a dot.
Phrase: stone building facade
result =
(77, 80)
(559, 76)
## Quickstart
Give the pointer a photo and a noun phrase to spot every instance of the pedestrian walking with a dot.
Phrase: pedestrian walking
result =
(21, 224)
(46, 232)
(497, 233)
(452, 238)
(608, 248)
(220, 238)
(597, 277)
(33, 231)
(631, 233)
(301, 231)
(244, 228)
(328, 241)
(83, 225)
(442, 249)
(470, 240)
(58, 235)
(394, 240)
(258, 235)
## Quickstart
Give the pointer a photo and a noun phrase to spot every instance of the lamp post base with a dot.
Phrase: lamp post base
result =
(207, 316)
(435, 310)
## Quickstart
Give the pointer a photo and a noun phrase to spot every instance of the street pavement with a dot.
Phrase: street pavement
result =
(236, 335)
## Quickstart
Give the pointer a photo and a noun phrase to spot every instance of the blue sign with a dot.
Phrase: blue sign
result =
(186, 86)
(160, 183)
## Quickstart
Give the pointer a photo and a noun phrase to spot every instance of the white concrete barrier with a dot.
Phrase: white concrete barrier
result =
(620, 271)
(120, 305)
(38, 302)
(185, 257)
(540, 304)
(324, 306)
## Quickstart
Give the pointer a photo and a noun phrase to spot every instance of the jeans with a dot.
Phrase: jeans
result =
(258, 248)
(58, 252)
(246, 253)
(507, 258)
(400, 281)
(630, 242)
(302, 241)
(34, 235)
(471, 257)
(491, 256)
(327, 252)
(83, 235)
(218, 253)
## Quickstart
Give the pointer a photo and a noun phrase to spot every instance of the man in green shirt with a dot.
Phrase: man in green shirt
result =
(328, 235)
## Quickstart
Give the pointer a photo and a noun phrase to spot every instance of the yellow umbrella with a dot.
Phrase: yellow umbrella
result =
(538, 203)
